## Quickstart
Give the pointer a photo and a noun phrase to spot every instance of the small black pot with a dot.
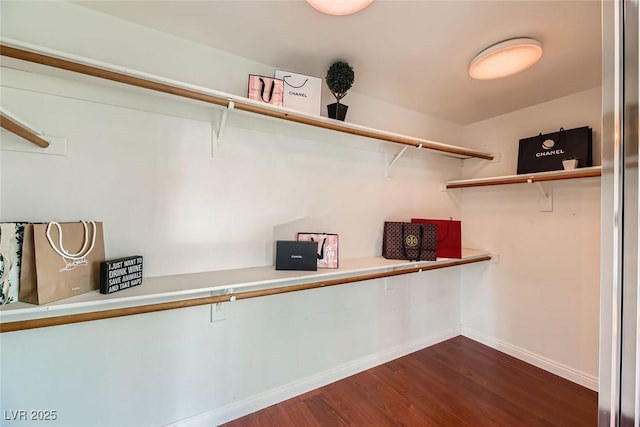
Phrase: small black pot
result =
(337, 111)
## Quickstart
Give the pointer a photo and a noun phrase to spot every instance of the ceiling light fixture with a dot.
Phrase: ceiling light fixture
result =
(339, 7)
(505, 58)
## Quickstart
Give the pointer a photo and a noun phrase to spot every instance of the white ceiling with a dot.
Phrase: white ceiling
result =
(411, 53)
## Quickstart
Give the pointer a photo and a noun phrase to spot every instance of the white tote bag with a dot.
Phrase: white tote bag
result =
(301, 93)
(11, 235)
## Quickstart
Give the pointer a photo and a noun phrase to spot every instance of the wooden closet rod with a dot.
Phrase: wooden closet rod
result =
(15, 127)
(90, 70)
(150, 308)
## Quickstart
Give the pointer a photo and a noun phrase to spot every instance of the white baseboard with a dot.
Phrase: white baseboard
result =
(270, 397)
(566, 372)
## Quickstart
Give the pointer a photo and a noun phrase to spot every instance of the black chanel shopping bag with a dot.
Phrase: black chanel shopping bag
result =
(546, 152)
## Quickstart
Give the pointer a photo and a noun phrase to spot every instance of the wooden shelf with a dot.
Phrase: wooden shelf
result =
(189, 290)
(593, 171)
(75, 64)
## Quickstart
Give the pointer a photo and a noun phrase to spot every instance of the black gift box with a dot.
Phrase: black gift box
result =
(294, 255)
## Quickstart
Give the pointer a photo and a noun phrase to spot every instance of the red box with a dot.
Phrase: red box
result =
(449, 243)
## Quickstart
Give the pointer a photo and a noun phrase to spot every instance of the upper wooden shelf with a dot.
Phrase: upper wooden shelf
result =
(527, 178)
(190, 290)
(59, 60)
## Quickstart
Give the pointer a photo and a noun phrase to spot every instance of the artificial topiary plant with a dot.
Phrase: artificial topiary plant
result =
(340, 77)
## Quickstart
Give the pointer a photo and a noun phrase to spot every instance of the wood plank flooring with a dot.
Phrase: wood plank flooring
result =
(459, 382)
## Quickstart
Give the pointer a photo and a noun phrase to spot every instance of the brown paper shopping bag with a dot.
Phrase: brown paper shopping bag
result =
(60, 260)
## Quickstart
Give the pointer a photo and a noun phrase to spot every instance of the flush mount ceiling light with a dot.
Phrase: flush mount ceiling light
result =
(505, 58)
(339, 7)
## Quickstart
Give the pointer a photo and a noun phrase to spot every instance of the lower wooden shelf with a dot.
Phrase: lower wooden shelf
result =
(189, 290)
(593, 171)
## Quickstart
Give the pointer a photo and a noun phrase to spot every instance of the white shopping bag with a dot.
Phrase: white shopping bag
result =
(11, 235)
(301, 93)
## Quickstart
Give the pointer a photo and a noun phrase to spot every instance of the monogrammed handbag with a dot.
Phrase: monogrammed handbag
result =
(410, 241)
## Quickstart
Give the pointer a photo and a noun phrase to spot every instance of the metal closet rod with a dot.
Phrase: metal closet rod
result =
(221, 100)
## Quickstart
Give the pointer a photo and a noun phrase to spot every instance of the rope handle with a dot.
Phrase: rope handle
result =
(448, 228)
(404, 246)
(263, 84)
(321, 254)
(560, 132)
(83, 252)
(284, 78)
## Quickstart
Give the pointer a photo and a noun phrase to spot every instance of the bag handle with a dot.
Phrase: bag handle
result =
(448, 228)
(404, 247)
(560, 132)
(293, 86)
(86, 248)
(321, 254)
(263, 84)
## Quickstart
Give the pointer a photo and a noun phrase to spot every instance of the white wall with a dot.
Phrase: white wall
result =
(541, 301)
(142, 165)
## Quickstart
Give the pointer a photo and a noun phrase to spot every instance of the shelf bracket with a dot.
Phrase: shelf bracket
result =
(397, 157)
(217, 145)
(546, 196)
(219, 309)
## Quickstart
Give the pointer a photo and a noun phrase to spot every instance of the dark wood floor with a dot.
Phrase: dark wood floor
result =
(458, 382)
